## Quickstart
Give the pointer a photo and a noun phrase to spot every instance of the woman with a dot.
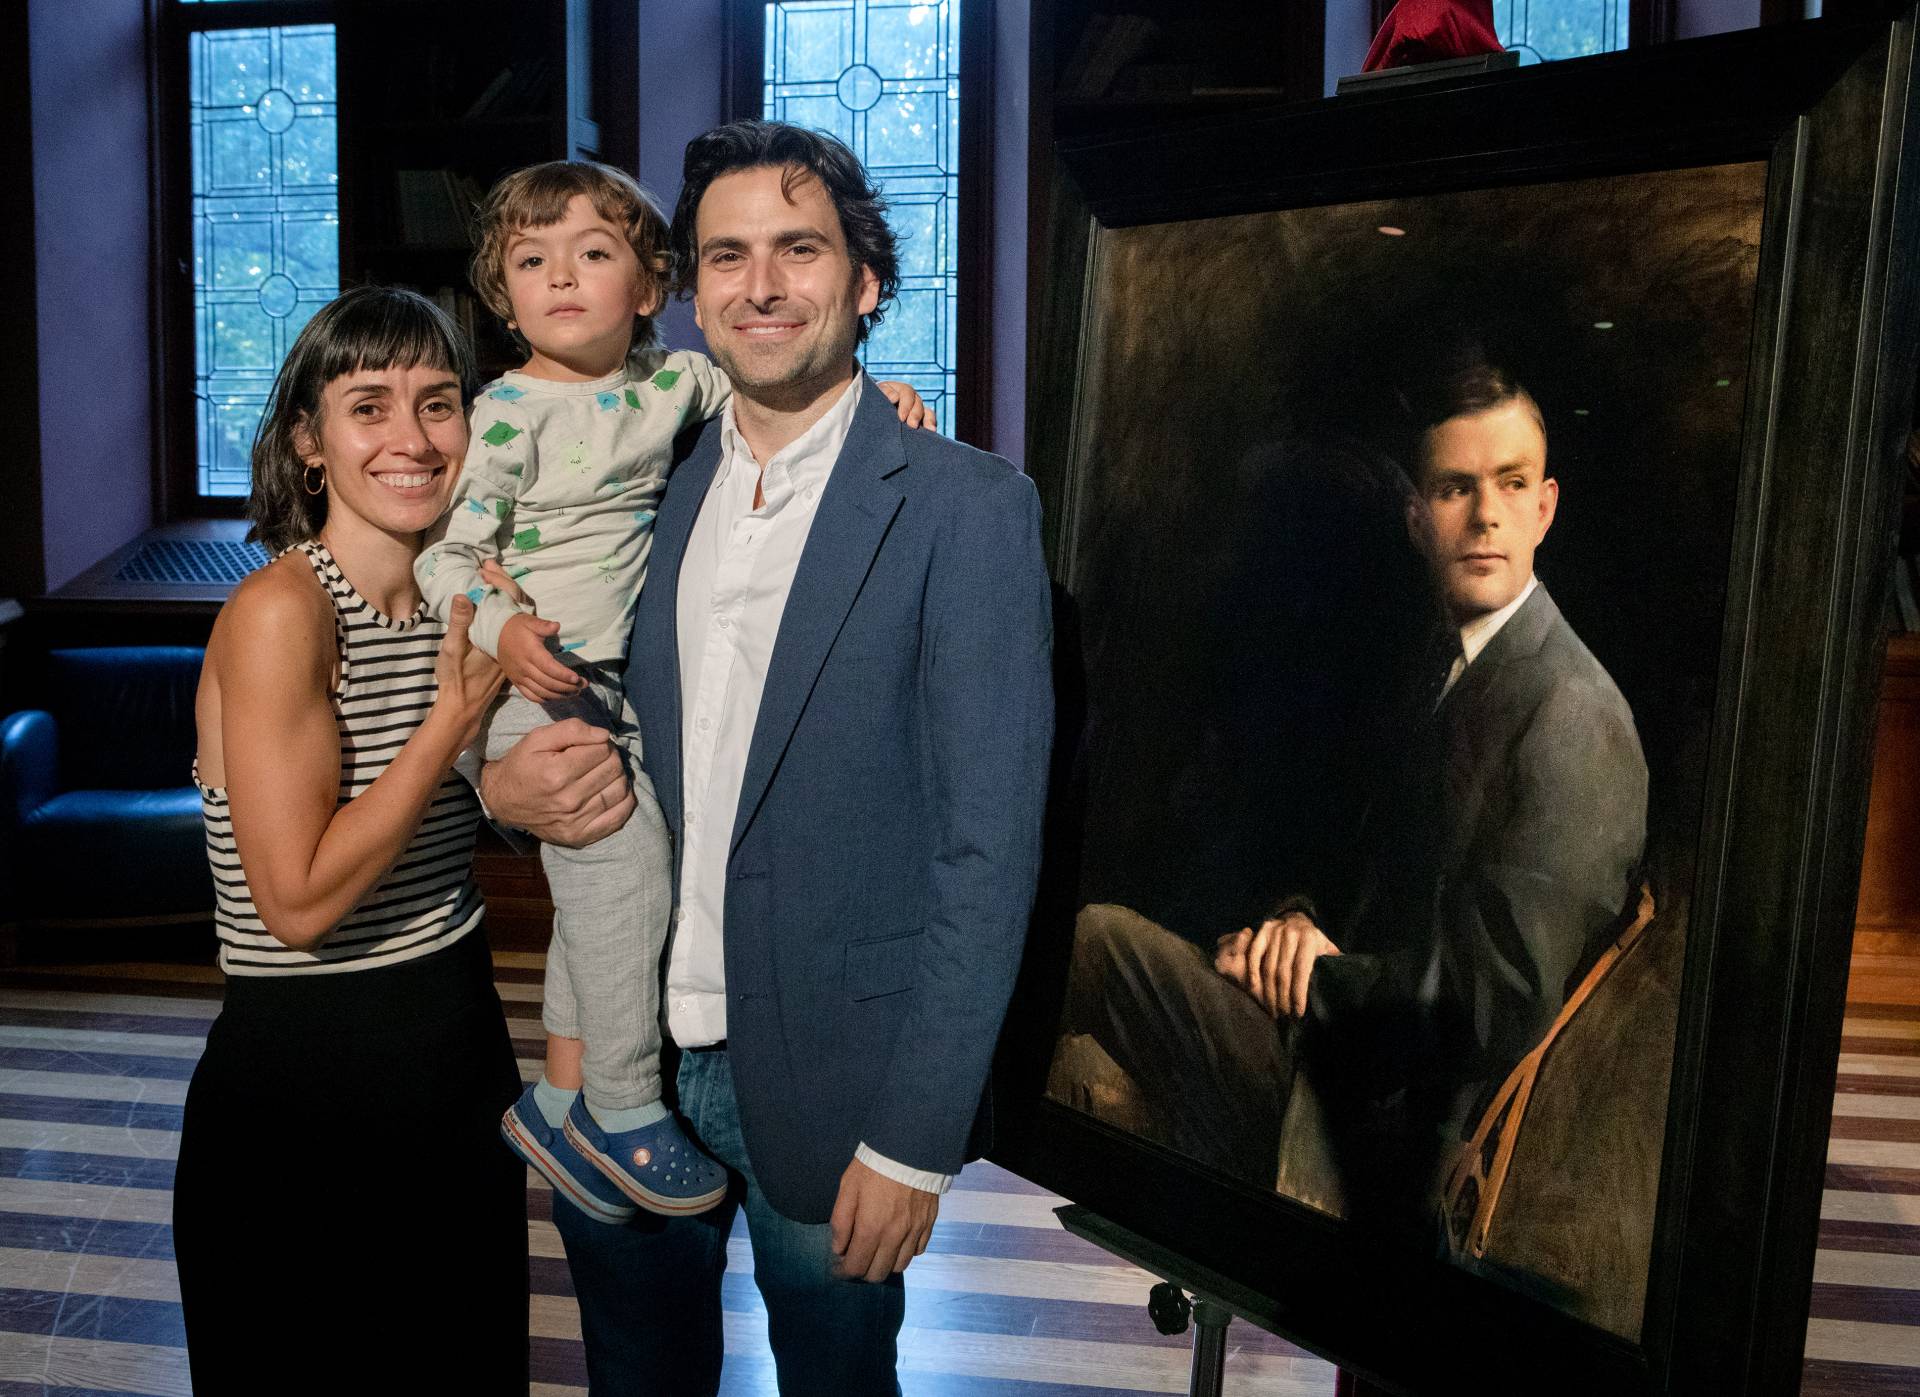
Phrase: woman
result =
(344, 1216)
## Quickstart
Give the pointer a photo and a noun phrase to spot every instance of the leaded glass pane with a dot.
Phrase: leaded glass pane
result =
(1543, 30)
(884, 76)
(266, 223)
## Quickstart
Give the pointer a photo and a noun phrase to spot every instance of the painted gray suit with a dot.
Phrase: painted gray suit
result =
(1497, 867)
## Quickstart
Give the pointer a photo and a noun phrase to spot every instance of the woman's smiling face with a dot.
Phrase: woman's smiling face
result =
(391, 442)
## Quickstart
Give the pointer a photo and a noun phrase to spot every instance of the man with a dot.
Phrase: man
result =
(1495, 869)
(841, 666)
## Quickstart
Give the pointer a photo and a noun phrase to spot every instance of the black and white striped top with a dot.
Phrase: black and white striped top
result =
(428, 899)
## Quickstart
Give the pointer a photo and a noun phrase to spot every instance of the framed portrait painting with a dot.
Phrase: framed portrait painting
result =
(1470, 510)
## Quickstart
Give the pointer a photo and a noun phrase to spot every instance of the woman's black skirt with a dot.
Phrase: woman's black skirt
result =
(346, 1217)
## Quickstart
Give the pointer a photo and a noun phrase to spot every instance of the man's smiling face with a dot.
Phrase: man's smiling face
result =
(775, 291)
(1488, 502)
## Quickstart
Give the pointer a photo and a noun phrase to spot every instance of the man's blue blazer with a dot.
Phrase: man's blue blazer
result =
(887, 846)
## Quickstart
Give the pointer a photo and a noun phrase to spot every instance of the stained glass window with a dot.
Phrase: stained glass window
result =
(266, 223)
(1543, 30)
(885, 78)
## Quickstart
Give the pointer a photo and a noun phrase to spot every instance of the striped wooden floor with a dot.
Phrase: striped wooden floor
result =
(94, 1064)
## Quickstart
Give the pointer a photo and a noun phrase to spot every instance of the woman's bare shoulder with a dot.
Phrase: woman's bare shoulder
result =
(279, 611)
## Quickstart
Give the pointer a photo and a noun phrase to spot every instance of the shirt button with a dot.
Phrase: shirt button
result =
(724, 623)
(809, 492)
(705, 724)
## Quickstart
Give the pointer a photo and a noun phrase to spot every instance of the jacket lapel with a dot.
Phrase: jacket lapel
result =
(655, 648)
(1525, 632)
(856, 510)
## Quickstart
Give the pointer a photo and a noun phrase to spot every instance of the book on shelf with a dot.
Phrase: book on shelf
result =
(1906, 591)
(1109, 43)
(488, 94)
(520, 89)
(435, 207)
(461, 308)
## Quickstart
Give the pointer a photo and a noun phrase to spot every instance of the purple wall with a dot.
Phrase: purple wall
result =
(1007, 343)
(21, 573)
(681, 82)
(1349, 36)
(91, 261)
(1693, 18)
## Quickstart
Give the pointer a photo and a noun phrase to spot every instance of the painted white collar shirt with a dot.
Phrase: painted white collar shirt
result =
(1478, 633)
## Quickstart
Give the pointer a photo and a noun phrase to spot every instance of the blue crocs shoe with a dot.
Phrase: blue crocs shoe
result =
(551, 1153)
(656, 1166)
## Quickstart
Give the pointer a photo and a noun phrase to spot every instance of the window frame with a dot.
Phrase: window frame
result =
(745, 32)
(1648, 21)
(176, 420)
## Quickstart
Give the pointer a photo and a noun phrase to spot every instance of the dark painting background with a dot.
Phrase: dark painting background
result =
(1250, 613)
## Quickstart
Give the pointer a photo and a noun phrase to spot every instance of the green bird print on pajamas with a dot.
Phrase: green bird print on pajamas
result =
(577, 458)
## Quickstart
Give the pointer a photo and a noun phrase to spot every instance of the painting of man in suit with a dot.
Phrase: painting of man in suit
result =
(1393, 539)
(1494, 868)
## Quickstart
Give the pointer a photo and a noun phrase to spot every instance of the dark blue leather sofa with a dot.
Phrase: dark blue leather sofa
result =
(99, 819)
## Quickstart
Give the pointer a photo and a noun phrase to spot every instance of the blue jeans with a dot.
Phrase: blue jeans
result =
(649, 1292)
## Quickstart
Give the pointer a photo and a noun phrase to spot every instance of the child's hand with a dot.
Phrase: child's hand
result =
(535, 671)
(913, 411)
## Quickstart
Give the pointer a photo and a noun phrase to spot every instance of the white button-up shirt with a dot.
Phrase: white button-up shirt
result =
(734, 581)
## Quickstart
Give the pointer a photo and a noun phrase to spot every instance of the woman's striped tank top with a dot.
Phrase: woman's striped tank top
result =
(428, 898)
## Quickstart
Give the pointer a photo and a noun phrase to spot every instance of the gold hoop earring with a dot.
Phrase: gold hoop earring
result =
(306, 479)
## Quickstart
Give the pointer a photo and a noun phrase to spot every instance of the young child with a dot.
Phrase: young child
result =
(568, 459)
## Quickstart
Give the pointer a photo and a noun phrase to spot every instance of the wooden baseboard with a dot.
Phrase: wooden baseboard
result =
(1886, 941)
(519, 908)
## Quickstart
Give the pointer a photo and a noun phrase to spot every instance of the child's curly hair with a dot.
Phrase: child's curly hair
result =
(537, 197)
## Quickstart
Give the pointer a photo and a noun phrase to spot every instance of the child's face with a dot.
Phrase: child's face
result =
(576, 286)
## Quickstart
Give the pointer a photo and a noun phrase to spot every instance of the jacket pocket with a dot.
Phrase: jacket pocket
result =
(883, 965)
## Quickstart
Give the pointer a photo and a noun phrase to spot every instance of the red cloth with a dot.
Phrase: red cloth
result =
(1425, 31)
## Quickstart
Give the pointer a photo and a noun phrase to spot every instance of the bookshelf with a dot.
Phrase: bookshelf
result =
(439, 98)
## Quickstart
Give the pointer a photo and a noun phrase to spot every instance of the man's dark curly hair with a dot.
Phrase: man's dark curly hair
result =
(753, 145)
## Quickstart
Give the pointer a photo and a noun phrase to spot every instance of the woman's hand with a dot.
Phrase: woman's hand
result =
(467, 675)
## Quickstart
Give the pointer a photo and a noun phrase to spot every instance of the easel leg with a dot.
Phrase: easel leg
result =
(1210, 1323)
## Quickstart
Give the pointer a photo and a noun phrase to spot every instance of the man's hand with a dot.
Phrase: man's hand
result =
(879, 1225)
(1275, 963)
(536, 672)
(564, 782)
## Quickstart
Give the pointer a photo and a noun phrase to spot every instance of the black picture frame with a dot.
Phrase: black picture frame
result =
(1830, 108)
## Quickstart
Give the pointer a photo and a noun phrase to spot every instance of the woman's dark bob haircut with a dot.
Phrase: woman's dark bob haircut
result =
(367, 329)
